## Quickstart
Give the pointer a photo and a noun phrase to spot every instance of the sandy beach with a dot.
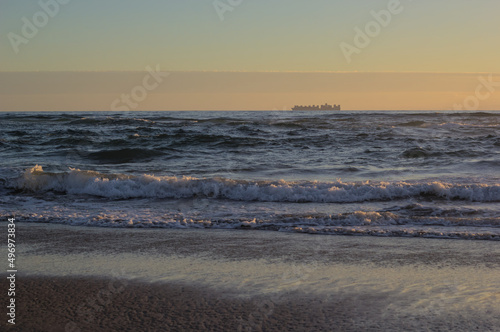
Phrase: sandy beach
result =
(101, 279)
(88, 304)
(240, 166)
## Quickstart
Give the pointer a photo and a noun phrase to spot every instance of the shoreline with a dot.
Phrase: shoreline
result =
(50, 238)
(216, 280)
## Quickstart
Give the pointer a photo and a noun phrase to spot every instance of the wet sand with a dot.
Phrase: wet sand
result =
(90, 304)
(96, 279)
(87, 304)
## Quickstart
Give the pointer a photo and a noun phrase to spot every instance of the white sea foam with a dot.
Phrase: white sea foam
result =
(440, 219)
(121, 186)
(357, 223)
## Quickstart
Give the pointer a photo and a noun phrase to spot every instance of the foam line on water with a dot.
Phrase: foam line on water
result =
(121, 186)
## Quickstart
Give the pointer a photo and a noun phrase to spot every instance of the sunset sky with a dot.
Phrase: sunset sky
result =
(254, 54)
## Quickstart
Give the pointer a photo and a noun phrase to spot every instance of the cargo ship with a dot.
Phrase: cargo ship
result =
(324, 107)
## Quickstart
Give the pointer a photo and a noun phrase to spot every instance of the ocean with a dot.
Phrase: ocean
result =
(372, 173)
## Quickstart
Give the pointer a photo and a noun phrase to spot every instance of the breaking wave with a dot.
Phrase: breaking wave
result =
(121, 186)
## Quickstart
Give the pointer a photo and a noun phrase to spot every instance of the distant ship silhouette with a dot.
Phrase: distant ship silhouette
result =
(324, 107)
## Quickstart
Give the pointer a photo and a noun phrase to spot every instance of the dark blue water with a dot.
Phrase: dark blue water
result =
(369, 173)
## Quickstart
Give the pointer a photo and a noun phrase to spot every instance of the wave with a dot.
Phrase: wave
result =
(121, 186)
(419, 152)
(369, 223)
(415, 123)
(119, 156)
(454, 125)
(476, 114)
(110, 121)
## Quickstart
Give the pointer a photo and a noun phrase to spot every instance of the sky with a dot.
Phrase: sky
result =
(350, 52)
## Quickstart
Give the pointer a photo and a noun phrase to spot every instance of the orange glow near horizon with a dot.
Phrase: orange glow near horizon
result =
(59, 91)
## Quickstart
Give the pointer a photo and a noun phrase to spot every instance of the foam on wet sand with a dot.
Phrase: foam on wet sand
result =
(78, 278)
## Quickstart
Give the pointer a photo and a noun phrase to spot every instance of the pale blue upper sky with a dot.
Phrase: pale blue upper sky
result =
(258, 35)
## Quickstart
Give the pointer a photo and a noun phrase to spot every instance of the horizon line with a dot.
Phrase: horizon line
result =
(248, 71)
(274, 110)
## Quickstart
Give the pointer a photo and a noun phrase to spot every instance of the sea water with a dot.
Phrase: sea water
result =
(404, 174)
